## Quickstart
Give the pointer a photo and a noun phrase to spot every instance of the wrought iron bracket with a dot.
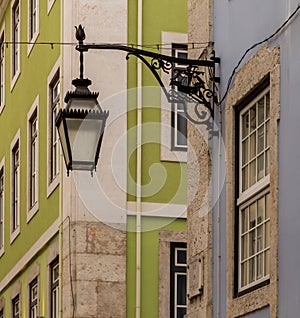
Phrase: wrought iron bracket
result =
(191, 83)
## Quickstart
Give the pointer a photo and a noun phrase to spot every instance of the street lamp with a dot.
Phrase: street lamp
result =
(81, 123)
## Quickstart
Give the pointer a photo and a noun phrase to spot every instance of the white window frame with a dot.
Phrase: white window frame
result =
(176, 246)
(15, 181)
(2, 206)
(167, 152)
(33, 163)
(50, 4)
(54, 290)
(2, 69)
(176, 110)
(52, 180)
(33, 23)
(15, 49)
(33, 298)
(252, 194)
(16, 301)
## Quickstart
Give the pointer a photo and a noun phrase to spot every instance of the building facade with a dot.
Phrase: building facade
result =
(112, 244)
(250, 224)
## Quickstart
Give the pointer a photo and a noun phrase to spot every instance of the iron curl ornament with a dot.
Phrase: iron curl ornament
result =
(193, 84)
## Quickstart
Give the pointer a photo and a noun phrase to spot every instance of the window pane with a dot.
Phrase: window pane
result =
(181, 289)
(244, 246)
(181, 257)
(252, 145)
(251, 270)
(252, 242)
(267, 137)
(259, 268)
(267, 262)
(245, 125)
(267, 162)
(244, 274)
(261, 137)
(252, 178)
(252, 118)
(267, 234)
(267, 205)
(245, 181)
(181, 129)
(261, 111)
(268, 105)
(252, 215)
(245, 151)
(245, 220)
(260, 167)
(259, 238)
(260, 210)
(181, 312)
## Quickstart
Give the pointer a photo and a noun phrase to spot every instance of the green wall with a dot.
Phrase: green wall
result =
(32, 82)
(158, 16)
(149, 263)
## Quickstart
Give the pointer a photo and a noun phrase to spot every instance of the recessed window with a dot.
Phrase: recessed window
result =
(54, 289)
(16, 307)
(33, 160)
(2, 72)
(15, 187)
(1, 208)
(254, 197)
(179, 122)
(15, 38)
(54, 143)
(33, 299)
(178, 282)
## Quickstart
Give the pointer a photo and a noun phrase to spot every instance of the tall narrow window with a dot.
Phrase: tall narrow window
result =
(2, 73)
(15, 187)
(1, 208)
(33, 299)
(33, 182)
(178, 281)
(16, 307)
(15, 38)
(54, 144)
(179, 122)
(254, 197)
(32, 18)
(54, 289)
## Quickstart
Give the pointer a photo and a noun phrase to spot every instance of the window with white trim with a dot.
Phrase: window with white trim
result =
(16, 307)
(254, 197)
(178, 119)
(33, 159)
(15, 38)
(33, 298)
(33, 18)
(15, 215)
(1, 208)
(54, 289)
(2, 72)
(178, 281)
(54, 141)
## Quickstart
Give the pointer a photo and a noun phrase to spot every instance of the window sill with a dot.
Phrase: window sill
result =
(14, 234)
(32, 211)
(52, 185)
(14, 80)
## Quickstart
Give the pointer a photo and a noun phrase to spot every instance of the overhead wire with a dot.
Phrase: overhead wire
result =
(254, 46)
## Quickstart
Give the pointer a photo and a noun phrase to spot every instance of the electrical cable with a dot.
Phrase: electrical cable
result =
(252, 47)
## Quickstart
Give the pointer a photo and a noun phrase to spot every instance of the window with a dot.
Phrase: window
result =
(33, 18)
(33, 299)
(15, 38)
(179, 122)
(54, 142)
(178, 292)
(16, 307)
(2, 73)
(1, 313)
(33, 160)
(1, 209)
(254, 197)
(15, 187)
(54, 289)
